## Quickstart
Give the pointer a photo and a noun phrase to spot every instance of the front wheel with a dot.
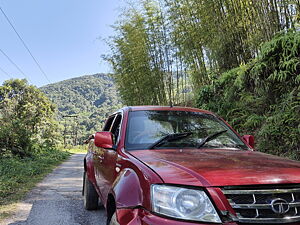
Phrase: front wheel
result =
(90, 196)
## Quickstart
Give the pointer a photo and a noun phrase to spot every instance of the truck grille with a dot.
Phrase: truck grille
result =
(265, 206)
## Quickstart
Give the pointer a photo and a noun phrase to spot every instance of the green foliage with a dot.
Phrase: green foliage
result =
(92, 98)
(147, 66)
(18, 175)
(27, 119)
(263, 96)
(80, 149)
(160, 43)
(280, 132)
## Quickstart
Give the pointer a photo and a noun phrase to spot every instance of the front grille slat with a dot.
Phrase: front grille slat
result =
(259, 206)
(250, 206)
(263, 191)
(270, 220)
(265, 206)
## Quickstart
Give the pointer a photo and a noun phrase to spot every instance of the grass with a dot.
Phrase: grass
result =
(18, 176)
(80, 149)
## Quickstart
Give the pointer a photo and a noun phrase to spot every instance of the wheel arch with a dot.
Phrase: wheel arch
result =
(127, 190)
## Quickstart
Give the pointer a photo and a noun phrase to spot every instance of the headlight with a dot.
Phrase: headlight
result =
(183, 203)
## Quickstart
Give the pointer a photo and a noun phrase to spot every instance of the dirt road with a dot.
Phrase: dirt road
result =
(57, 200)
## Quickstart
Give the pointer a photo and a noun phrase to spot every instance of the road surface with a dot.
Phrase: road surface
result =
(57, 200)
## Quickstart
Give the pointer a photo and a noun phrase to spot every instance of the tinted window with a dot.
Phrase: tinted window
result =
(108, 123)
(115, 129)
(146, 127)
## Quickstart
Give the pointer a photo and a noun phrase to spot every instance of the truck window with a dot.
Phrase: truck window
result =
(108, 123)
(115, 128)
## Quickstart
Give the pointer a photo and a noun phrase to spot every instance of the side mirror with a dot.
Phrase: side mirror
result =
(249, 140)
(104, 139)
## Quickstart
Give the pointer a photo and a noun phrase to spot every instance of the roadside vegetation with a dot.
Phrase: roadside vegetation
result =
(19, 175)
(79, 149)
(29, 134)
(262, 97)
(28, 123)
(240, 59)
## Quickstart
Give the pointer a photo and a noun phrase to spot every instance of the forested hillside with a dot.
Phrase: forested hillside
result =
(91, 98)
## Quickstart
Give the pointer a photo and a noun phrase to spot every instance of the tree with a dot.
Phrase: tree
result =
(161, 44)
(27, 118)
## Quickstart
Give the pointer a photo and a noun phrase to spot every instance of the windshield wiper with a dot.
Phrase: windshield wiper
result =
(170, 137)
(210, 137)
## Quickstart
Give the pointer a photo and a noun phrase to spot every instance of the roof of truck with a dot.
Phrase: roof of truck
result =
(164, 108)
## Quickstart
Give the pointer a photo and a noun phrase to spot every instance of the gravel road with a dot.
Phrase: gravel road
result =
(57, 200)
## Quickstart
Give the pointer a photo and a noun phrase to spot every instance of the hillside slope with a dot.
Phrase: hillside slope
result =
(91, 98)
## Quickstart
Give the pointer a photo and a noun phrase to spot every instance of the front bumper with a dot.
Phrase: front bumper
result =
(140, 216)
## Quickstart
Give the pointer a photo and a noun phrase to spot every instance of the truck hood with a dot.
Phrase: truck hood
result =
(219, 167)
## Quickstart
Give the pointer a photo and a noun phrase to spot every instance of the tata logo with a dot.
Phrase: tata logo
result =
(280, 206)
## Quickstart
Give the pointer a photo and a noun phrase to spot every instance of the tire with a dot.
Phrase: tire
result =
(113, 220)
(90, 196)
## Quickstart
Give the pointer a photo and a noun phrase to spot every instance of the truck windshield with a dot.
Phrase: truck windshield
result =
(152, 129)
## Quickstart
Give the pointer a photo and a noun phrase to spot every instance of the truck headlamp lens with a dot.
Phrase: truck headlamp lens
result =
(183, 203)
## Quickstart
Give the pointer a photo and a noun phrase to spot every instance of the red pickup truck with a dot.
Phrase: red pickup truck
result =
(183, 166)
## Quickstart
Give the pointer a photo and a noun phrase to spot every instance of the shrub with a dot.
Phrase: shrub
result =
(263, 96)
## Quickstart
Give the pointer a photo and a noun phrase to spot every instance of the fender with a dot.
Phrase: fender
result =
(127, 190)
(90, 169)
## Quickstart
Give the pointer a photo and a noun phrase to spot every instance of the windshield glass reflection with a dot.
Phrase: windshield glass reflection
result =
(147, 127)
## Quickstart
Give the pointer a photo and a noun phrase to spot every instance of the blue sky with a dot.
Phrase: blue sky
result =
(63, 35)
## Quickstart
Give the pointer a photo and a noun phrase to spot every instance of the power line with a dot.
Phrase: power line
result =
(6, 73)
(12, 62)
(25, 45)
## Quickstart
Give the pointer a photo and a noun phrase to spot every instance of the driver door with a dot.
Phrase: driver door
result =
(106, 171)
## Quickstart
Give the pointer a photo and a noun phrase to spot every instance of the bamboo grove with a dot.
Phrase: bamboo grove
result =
(164, 50)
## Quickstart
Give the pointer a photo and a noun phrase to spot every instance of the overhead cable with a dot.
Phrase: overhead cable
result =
(34, 59)
(3, 71)
(12, 62)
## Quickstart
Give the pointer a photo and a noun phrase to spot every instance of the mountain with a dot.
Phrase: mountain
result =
(89, 98)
